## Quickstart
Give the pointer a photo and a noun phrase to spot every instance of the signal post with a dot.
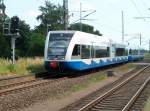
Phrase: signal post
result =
(13, 42)
(11, 29)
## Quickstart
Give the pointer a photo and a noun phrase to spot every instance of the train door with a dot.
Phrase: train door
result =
(86, 56)
(112, 52)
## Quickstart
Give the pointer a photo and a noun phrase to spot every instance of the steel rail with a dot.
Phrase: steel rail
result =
(17, 83)
(14, 77)
(92, 103)
(27, 86)
(132, 100)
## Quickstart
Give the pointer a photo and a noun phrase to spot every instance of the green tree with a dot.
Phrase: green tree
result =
(4, 47)
(22, 43)
(85, 28)
(30, 43)
(4, 41)
(52, 16)
(36, 45)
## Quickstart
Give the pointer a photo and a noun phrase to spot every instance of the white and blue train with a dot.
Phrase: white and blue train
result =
(77, 51)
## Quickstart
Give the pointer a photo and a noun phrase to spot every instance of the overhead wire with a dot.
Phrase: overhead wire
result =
(107, 26)
(143, 3)
(103, 24)
(141, 15)
(133, 2)
(139, 12)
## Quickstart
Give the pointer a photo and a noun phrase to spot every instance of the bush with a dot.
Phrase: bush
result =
(35, 68)
(12, 68)
(23, 66)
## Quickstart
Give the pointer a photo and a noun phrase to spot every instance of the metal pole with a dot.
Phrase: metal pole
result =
(65, 5)
(149, 46)
(2, 13)
(122, 27)
(13, 49)
(80, 16)
(140, 39)
(47, 28)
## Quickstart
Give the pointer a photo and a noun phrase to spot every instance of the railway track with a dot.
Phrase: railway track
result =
(24, 85)
(6, 80)
(10, 85)
(122, 97)
(7, 86)
(14, 77)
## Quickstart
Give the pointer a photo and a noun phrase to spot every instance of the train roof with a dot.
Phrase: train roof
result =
(87, 38)
(63, 31)
(80, 32)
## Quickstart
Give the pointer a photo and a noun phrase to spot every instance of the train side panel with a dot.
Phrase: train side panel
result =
(79, 65)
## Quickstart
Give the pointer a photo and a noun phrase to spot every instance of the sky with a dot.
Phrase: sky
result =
(107, 18)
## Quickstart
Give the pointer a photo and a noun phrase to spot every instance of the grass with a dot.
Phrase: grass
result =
(147, 105)
(124, 68)
(90, 81)
(147, 55)
(95, 78)
(23, 66)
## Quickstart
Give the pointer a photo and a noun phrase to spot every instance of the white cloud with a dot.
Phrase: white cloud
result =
(30, 17)
(75, 4)
(87, 6)
(33, 13)
(113, 1)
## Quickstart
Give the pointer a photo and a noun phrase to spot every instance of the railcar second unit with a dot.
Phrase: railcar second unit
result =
(135, 54)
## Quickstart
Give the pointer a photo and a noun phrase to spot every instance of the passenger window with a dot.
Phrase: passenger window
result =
(76, 52)
(133, 52)
(101, 51)
(120, 51)
(85, 51)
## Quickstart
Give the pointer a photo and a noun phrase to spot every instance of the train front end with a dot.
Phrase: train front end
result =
(56, 46)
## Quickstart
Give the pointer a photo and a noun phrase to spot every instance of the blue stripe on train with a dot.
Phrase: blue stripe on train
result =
(135, 57)
(80, 65)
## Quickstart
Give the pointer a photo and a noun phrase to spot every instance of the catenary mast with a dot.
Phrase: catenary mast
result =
(65, 19)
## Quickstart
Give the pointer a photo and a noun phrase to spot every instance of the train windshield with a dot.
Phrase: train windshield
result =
(58, 44)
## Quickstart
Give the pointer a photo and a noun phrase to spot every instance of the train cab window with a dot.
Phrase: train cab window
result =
(76, 52)
(120, 51)
(58, 44)
(85, 51)
(59, 39)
